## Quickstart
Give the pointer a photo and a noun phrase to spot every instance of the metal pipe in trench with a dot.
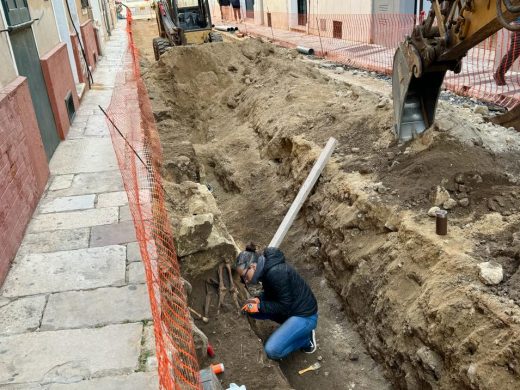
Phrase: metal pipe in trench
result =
(305, 50)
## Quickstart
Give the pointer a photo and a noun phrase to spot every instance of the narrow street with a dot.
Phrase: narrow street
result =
(74, 308)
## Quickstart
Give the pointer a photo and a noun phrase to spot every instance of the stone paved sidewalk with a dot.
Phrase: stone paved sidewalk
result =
(74, 309)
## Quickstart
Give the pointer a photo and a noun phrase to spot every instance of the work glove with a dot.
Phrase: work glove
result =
(251, 307)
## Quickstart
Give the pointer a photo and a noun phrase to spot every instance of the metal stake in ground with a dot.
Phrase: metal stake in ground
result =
(304, 193)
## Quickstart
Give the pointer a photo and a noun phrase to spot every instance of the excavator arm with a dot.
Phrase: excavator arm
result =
(435, 46)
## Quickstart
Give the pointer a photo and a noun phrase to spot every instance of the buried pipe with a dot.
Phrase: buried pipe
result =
(305, 50)
(304, 192)
(226, 28)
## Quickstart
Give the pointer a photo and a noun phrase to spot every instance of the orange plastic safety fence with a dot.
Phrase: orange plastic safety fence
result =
(136, 144)
(369, 41)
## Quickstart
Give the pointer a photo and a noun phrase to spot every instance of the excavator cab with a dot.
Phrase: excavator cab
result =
(183, 22)
(437, 45)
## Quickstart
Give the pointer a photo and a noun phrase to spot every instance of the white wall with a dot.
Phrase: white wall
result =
(8, 68)
(45, 29)
(63, 31)
(342, 7)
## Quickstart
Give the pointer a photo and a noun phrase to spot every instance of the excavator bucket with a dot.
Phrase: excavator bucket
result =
(415, 93)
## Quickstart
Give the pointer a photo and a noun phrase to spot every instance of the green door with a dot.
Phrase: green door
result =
(28, 64)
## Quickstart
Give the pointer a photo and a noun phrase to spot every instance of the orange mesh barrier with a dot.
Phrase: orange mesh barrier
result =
(369, 41)
(138, 154)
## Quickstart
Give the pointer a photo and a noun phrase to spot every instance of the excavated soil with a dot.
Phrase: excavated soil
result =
(246, 120)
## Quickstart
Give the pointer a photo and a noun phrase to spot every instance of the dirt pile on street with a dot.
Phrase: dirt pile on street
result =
(247, 120)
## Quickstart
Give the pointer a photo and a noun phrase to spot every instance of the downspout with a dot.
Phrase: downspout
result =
(372, 21)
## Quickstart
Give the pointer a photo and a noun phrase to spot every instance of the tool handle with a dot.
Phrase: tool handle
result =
(304, 370)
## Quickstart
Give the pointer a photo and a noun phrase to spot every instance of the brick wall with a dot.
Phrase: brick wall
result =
(59, 81)
(89, 43)
(23, 168)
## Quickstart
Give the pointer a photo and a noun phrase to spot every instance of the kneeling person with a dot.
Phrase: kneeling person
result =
(286, 299)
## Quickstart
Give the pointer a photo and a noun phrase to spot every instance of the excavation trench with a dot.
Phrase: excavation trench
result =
(241, 124)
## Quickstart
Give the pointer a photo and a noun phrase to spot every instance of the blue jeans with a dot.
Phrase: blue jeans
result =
(293, 334)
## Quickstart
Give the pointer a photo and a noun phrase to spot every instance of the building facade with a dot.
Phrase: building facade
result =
(47, 48)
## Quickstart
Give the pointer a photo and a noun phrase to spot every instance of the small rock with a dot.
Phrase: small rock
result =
(353, 356)
(344, 106)
(482, 110)
(491, 273)
(440, 196)
(323, 283)
(320, 358)
(326, 373)
(382, 103)
(449, 204)
(430, 360)
(339, 70)
(472, 372)
(491, 205)
(232, 68)
(355, 73)
(391, 227)
(432, 212)
(355, 150)
(231, 103)
(459, 178)
(464, 202)
(463, 188)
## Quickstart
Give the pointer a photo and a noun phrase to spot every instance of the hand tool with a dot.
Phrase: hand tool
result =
(314, 367)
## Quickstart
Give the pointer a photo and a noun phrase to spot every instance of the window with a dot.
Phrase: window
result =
(337, 29)
(323, 24)
(84, 4)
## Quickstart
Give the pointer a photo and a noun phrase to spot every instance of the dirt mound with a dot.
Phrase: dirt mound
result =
(251, 116)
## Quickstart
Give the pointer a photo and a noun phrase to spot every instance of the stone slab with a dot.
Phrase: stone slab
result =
(86, 309)
(70, 355)
(68, 270)
(133, 253)
(112, 199)
(96, 127)
(137, 381)
(148, 350)
(67, 203)
(92, 183)
(61, 182)
(83, 155)
(118, 233)
(136, 273)
(53, 241)
(22, 315)
(74, 219)
(125, 214)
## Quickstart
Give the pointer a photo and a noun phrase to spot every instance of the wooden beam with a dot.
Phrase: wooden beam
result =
(304, 192)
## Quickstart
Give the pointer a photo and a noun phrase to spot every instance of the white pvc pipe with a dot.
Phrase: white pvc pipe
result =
(305, 190)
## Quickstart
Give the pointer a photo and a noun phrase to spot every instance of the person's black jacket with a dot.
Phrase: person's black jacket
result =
(286, 294)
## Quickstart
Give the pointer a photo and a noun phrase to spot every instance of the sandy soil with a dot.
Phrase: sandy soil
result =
(248, 119)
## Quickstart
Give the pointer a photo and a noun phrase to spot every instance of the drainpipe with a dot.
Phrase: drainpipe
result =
(372, 21)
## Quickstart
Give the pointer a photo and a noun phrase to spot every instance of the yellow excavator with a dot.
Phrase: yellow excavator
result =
(182, 22)
(437, 45)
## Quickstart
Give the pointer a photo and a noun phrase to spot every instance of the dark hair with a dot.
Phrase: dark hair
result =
(251, 247)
